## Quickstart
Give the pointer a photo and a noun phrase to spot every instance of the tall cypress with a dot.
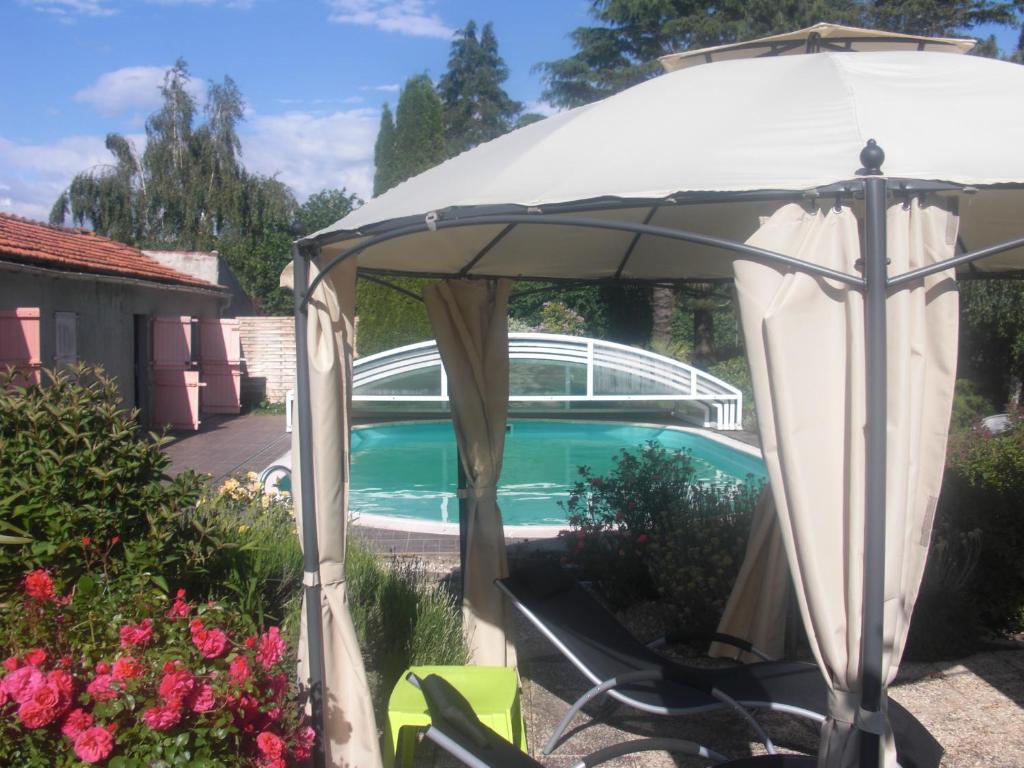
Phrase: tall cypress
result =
(419, 129)
(384, 154)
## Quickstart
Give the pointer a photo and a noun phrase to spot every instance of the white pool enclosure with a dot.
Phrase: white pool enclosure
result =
(551, 368)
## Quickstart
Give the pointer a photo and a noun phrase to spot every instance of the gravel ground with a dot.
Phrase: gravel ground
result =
(973, 706)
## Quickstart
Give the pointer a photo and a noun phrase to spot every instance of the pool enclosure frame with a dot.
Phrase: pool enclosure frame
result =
(874, 283)
(682, 382)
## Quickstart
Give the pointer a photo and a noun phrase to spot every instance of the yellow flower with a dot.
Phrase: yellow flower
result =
(252, 477)
(243, 528)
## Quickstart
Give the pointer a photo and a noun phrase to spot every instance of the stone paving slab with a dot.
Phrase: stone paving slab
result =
(227, 445)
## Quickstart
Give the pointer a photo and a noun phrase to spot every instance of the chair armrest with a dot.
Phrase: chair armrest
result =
(715, 637)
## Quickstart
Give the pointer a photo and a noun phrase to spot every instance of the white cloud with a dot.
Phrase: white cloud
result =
(131, 89)
(309, 152)
(386, 88)
(407, 17)
(67, 9)
(33, 175)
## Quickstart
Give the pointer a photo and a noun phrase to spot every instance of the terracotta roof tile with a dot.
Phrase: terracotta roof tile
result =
(78, 250)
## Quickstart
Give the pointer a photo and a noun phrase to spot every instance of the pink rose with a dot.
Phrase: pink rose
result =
(19, 684)
(76, 722)
(94, 745)
(270, 744)
(65, 685)
(139, 635)
(41, 707)
(11, 663)
(36, 657)
(202, 699)
(271, 648)
(102, 688)
(239, 670)
(127, 668)
(39, 585)
(304, 739)
(102, 668)
(162, 718)
(176, 685)
(210, 642)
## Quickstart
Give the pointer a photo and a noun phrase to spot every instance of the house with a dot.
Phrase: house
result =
(69, 295)
(211, 267)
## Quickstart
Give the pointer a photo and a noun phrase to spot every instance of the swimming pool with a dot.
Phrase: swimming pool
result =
(407, 470)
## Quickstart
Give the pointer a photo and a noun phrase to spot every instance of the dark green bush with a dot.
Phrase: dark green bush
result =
(981, 498)
(969, 406)
(649, 528)
(78, 479)
(697, 549)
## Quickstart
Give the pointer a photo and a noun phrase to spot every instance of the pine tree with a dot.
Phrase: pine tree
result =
(384, 154)
(476, 107)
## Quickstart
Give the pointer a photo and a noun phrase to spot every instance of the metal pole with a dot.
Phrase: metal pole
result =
(310, 547)
(875, 262)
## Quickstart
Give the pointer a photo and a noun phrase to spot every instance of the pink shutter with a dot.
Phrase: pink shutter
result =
(19, 343)
(175, 385)
(220, 351)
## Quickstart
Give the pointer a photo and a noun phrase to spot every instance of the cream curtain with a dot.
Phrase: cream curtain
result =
(756, 610)
(805, 343)
(470, 323)
(351, 735)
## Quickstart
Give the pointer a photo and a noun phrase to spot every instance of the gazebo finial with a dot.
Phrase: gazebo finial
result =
(871, 158)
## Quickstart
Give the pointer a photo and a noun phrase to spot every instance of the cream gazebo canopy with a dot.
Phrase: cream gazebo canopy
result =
(762, 170)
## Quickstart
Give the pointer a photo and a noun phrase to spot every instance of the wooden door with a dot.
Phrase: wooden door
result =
(220, 366)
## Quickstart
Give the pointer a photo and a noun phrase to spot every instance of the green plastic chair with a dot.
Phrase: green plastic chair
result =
(493, 692)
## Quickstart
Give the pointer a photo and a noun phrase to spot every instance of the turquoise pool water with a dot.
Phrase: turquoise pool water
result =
(408, 469)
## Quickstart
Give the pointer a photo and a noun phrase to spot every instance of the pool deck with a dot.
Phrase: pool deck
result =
(233, 445)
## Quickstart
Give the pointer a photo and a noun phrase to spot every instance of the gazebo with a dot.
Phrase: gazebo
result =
(769, 171)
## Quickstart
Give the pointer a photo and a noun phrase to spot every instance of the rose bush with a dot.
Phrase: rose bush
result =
(131, 679)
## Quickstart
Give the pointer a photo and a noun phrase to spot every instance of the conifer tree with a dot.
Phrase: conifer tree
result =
(476, 107)
(419, 129)
(384, 154)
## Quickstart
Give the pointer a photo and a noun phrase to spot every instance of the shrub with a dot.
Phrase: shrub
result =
(649, 527)
(73, 465)
(969, 406)
(128, 678)
(981, 496)
(697, 550)
(402, 616)
(556, 317)
(240, 543)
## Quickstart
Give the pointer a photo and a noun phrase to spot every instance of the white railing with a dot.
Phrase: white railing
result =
(663, 378)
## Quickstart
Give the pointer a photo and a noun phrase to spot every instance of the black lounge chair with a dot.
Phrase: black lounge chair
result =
(623, 668)
(456, 729)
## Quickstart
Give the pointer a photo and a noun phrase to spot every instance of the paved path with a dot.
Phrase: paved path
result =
(227, 445)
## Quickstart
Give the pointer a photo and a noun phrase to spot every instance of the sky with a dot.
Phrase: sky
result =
(314, 74)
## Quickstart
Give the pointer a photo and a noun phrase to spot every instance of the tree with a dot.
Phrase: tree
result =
(476, 107)
(384, 154)
(419, 129)
(189, 190)
(325, 207)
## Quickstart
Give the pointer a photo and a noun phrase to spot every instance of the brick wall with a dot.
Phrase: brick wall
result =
(268, 346)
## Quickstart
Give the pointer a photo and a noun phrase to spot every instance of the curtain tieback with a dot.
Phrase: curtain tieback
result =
(480, 491)
(844, 707)
(332, 573)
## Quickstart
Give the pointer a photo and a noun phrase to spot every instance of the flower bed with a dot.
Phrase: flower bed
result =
(161, 684)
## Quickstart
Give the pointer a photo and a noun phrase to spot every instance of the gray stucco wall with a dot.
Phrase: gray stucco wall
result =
(106, 315)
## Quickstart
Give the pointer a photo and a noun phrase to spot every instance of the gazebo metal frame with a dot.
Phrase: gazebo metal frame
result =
(874, 282)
